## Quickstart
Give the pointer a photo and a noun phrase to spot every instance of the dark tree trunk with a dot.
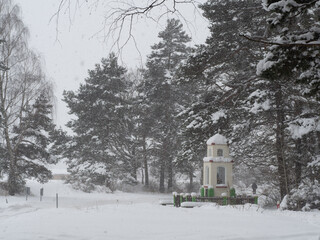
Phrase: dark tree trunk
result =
(190, 181)
(170, 174)
(162, 173)
(201, 176)
(12, 180)
(142, 176)
(316, 175)
(145, 163)
(282, 166)
(298, 165)
(135, 164)
(191, 177)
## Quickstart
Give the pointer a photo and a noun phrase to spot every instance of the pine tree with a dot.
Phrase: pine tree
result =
(221, 73)
(293, 58)
(144, 125)
(102, 150)
(31, 139)
(163, 96)
(294, 38)
(257, 115)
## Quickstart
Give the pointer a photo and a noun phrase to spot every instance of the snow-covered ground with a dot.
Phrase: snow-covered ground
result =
(139, 216)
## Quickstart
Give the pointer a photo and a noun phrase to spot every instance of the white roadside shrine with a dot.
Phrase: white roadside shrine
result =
(217, 168)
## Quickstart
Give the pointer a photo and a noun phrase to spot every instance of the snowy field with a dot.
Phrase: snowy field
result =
(118, 216)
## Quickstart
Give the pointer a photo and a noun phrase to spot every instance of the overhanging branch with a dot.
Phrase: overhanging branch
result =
(121, 16)
(265, 41)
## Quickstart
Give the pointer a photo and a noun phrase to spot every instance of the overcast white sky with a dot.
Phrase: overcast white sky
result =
(68, 56)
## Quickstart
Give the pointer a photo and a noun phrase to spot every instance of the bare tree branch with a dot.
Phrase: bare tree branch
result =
(121, 16)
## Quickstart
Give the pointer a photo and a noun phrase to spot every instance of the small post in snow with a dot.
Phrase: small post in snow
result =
(27, 192)
(41, 194)
(57, 202)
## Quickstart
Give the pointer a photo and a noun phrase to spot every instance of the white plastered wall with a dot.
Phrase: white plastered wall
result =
(213, 166)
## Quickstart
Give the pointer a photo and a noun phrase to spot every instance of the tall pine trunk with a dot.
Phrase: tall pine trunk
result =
(135, 164)
(170, 174)
(145, 162)
(298, 165)
(190, 180)
(162, 173)
(280, 127)
(163, 162)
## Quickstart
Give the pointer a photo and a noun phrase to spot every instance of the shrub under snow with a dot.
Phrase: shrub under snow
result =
(305, 197)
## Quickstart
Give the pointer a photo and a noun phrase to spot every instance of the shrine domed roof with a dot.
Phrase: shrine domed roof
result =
(217, 139)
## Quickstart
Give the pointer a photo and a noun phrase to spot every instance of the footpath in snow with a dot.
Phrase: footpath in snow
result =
(95, 216)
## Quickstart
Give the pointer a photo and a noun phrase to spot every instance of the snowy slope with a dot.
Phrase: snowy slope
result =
(139, 216)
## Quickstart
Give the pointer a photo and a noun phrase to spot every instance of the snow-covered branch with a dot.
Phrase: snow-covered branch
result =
(282, 43)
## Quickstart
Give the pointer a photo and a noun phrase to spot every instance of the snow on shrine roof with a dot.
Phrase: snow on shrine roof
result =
(217, 139)
(217, 159)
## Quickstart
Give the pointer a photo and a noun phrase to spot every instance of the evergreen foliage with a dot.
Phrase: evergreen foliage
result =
(305, 197)
(101, 151)
(32, 139)
(157, 120)
(163, 96)
(220, 81)
(294, 58)
(295, 39)
(267, 122)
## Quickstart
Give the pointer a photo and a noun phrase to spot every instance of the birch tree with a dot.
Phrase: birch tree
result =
(21, 84)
